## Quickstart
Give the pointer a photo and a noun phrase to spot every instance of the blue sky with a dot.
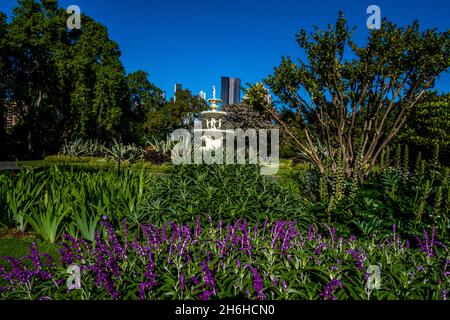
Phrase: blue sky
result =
(195, 42)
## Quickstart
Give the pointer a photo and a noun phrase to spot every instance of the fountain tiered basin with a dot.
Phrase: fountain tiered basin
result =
(212, 125)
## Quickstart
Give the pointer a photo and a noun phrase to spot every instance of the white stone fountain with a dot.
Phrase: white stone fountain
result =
(213, 125)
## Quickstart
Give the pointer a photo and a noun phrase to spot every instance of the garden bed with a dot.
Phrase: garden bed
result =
(240, 260)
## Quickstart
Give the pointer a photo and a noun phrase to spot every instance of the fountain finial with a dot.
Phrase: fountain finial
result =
(214, 100)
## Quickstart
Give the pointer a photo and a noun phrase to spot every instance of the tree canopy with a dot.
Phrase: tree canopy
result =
(64, 84)
(146, 104)
(352, 100)
(252, 112)
(341, 105)
(180, 110)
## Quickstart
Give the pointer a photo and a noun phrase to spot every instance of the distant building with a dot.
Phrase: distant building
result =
(202, 95)
(230, 90)
(11, 117)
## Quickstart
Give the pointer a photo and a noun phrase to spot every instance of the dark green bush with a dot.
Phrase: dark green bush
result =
(226, 192)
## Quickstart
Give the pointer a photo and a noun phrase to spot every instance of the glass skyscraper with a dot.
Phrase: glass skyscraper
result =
(230, 91)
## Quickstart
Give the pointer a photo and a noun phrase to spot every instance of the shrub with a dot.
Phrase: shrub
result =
(226, 192)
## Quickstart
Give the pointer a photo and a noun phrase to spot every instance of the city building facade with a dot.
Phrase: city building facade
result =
(230, 90)
(11, 117)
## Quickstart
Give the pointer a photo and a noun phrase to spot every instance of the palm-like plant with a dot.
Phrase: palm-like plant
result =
(47, 220)
(158, 151)
(120, 152)
(81, 148)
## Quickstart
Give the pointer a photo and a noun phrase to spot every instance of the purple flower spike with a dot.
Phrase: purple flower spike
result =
(194, 280)
(182, 281)
(357, 257)
(198, 228)
(208, 277)
(125, 236)
(258, 285)
(328, 293)
(205, 295)
(319, 249)
(34, 256)
(311, 232)
(427, 245)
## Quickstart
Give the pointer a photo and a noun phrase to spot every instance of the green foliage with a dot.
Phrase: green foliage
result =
(69, 200)
(63, 84)
(202, 190)
(49, 215)
(163, 146)
(81, 148)
(15, 196)
(90, 65)
(338, 185)
(81, 151)
(413, 203)
(146, 104)
(3, 74)
(120, 152)
(416, 200)
(345, 95)
(252, 112)
(18, 247)
(158, 151)
(405, 168)
(84, 223)
(180, 110)
(293, 268)
(428, 127)
(243, 116)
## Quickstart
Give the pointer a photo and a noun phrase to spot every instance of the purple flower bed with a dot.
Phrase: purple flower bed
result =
(216, 261)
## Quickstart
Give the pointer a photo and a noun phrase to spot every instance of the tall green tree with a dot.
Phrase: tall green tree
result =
(3, 78)
(32, 37)
(64, 84)
(352, 104)
(146, 103)
(89, 67)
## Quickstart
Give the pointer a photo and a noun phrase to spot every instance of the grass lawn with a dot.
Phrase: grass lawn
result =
(101, 163)
(16, 244)
(285, 165)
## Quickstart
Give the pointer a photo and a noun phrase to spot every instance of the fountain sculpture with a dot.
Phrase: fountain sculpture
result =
(213, 125)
